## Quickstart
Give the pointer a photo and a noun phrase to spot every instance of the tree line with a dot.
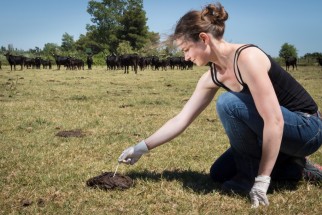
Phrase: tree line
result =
(119, 27)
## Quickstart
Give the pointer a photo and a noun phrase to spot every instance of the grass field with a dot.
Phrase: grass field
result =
(41, 173)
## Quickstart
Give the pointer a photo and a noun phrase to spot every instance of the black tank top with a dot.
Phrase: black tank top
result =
(289, 92)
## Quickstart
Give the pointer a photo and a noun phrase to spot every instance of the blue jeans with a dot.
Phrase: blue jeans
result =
(302, 136)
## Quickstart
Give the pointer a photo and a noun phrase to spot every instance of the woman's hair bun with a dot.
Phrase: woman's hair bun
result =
(215, 14)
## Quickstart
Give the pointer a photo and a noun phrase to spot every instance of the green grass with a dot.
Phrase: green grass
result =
(41, 173)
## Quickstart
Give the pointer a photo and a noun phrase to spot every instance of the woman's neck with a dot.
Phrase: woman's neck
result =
(222, 53)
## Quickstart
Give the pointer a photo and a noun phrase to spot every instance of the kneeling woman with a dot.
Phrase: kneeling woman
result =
(271, 120)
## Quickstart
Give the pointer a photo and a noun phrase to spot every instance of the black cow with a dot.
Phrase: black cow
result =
(290, 61)
(188, 64)
(0, 64)
(155, 62)
(89, 61)
(112, 62)
(75, 63)
(15, 60)
(45, 64)
(319, 61)
(180, 63)
(176, 62)
(30, 62)
(128, 60)
(38, 62)
(148, 61)
(143, 63)
(61, 61)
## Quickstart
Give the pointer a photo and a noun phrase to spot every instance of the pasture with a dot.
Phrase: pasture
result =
(41, 173)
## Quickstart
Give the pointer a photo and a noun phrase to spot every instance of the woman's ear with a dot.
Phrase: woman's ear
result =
(204, 37)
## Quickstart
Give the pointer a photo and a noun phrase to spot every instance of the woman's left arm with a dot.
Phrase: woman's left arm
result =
(254, 66)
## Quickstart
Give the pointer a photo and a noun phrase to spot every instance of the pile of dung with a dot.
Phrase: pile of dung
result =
(71, 133)
(106, 181)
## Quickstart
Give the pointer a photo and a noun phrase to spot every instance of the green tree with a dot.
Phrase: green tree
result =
(311, 58)
(288, 50)
(35, 51)
(106, 16)
(133, 25)
(313, 55)
(68, 43)
(154, 38)
(115, 21)
(124, 48)
(152, 44)
(87, 44)
(50, 49)
(3, 49)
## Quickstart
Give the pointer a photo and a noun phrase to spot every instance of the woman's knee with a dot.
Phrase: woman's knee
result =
(223, 100)
(224, 168)
(227, 102)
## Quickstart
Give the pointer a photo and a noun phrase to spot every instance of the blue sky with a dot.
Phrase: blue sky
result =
(268, 24)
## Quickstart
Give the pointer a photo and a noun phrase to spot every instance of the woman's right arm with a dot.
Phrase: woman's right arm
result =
(201, 97)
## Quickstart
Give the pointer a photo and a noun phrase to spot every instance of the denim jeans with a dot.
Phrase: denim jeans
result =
(302, 136)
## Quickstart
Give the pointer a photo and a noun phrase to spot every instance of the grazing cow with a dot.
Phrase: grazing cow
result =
(45, 64)
(176, 62)
(290, 61)
(38, 62)
(148, 61)
(180, 63)
(30, 62)
(164, 63)
(188, 64)
(0, 64)
(15, 60)
(155, 62)
(89, 61)
(61, 60)
(319, 61)
(142, 63)
(74, 63)
(112, 62)
(128, 60)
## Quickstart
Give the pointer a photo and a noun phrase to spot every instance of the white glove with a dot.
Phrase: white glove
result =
(132, 154)
(259, 190)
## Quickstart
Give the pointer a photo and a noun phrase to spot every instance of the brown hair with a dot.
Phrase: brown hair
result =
(209, 20)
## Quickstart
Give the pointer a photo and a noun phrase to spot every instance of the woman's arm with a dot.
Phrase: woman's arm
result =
(254, 66)
(201, 97)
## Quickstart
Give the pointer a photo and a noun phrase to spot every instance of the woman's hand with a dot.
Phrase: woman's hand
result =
(259, 190)
(132, 154)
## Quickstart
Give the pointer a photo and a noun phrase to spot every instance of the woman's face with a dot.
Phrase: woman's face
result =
(197, 52)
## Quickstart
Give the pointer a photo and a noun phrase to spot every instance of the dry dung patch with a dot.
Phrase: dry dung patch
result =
(71, 133)
(106, 181)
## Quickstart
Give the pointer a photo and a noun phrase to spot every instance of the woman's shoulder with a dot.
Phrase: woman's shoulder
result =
(206, 81)
(252, 54)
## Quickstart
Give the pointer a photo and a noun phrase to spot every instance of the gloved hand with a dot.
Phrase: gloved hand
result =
(259, 190)
(132, 154)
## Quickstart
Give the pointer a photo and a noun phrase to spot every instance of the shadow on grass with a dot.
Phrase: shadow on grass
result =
(278, 186)
(192, 180)
(202, 183)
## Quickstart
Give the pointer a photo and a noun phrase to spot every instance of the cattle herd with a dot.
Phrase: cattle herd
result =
(126, 62)
(135, 62)
(292, 61)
